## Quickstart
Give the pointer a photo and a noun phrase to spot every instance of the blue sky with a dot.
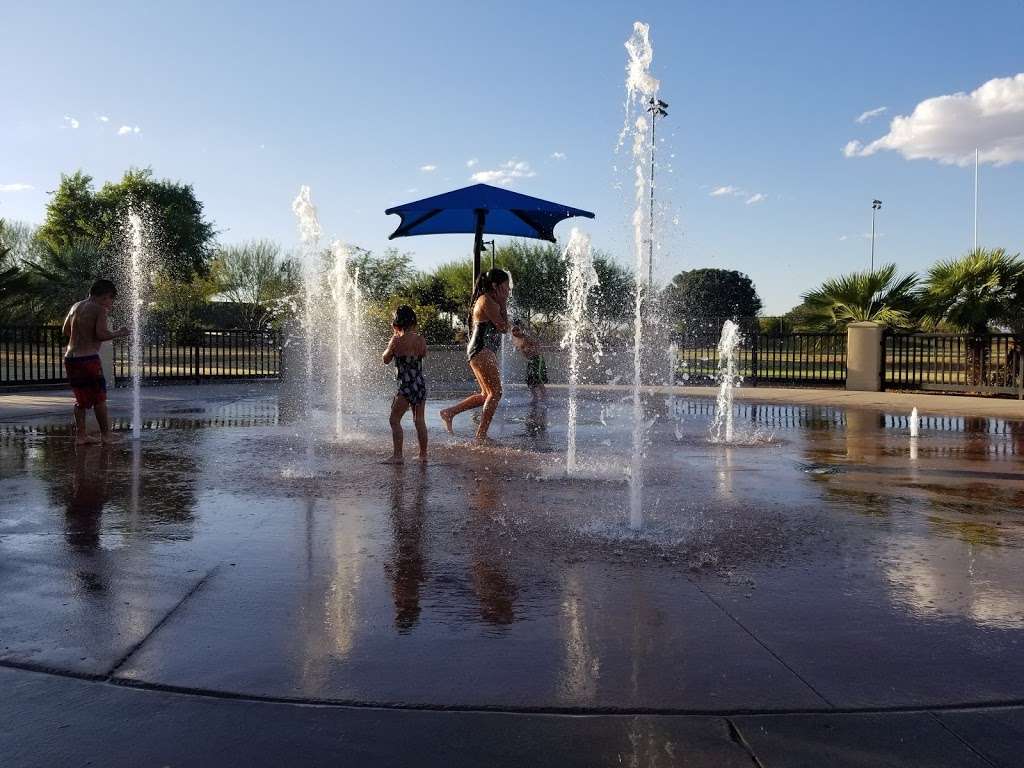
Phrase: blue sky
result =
(246, 101)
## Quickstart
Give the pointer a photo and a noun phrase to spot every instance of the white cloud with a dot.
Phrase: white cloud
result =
(843, 237)
(103, 119)
(124, 130)
(505, 174)
(16, 187)
(558, 155)
(727, 191)
(948, 128)
(852, 148)
(71, 121)
(870, 114)
(471, 162)
(757, 197)
(428, 168)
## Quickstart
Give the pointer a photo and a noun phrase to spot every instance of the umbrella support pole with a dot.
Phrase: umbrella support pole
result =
(478, 243)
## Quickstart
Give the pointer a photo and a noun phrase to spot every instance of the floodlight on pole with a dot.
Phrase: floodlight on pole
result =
(876, 205)
(657, 108)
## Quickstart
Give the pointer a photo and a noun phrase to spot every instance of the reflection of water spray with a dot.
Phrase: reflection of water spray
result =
(136, 287)
(640, 85)
(348, 333)
(133, 507)
(582, 279)
(915, 431)
(722, 425)
(309, 234)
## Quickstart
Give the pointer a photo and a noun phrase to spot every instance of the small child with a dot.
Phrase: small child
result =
(407, 348)
(536, 370)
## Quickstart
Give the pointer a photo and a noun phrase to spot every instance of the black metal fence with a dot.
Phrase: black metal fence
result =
(34, 355)
(987, 364)
(809, 359)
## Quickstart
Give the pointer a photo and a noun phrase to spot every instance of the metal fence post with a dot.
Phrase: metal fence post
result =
(196, 362)
(753, 359)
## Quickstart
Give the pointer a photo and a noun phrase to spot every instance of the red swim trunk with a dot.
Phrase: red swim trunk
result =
(85, 374)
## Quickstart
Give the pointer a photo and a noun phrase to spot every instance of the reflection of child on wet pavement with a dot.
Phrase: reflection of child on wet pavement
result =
(528, 346)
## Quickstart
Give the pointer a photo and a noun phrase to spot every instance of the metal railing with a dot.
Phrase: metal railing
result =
(31, 355)
(795, 358)
(987, 364)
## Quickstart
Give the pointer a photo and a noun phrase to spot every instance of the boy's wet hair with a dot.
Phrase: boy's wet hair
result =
(404, 317)
(103, 287)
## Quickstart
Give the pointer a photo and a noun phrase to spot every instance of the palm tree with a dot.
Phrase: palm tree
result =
(879, 296)
(971, 293)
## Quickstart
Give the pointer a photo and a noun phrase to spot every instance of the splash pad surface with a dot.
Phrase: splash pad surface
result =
(814, 564)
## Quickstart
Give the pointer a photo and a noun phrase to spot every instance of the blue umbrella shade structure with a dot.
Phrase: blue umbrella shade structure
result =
(483, 208)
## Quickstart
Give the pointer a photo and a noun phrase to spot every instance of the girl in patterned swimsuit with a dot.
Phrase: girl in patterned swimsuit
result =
(407, 348)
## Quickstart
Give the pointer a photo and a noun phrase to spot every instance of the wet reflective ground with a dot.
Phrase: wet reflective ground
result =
(825, 562)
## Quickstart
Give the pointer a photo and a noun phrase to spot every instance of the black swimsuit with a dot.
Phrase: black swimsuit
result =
(411, 384)
(485, 336)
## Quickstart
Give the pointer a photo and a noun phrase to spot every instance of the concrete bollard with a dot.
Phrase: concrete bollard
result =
(864, 357)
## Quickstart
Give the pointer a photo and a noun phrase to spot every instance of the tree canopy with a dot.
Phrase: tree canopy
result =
(702, 299)
(880, 296)
(972, 292)
(78, 213)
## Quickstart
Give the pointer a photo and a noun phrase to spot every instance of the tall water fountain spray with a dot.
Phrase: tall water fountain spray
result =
(722, 425)
(582, 280)
(309, 236)
(348, 332)
(137, 260)
(641, 86)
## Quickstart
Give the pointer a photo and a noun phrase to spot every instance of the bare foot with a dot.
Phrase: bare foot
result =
(86, 440)
(393, 460)
(447, 417)
(110, 439)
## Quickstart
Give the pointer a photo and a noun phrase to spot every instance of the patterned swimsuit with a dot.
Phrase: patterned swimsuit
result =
(409, 377)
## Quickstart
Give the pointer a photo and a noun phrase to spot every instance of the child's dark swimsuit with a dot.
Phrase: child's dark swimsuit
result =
(485, 336)
(411, 384)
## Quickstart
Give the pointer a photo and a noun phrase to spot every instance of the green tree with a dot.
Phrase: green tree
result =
(183, 237)
(973, 292)
(538, 274)
(612, 300)
(60, 275)
(700, 300)
(253, 276)
(880, 296)
(382, 277)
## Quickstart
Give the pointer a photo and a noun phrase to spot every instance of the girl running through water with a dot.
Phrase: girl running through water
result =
(407, 348)
(490, 320)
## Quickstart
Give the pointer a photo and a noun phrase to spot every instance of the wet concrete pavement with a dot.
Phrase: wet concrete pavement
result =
(825, 566)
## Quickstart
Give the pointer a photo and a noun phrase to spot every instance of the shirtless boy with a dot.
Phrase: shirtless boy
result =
(86, 327)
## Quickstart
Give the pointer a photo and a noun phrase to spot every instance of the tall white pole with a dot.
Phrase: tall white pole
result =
(975, 198)
(872, 238)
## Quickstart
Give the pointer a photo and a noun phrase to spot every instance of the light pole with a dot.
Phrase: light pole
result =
(876, 205)
(657, 108)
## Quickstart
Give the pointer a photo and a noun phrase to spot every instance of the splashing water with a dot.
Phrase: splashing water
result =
(722, 425)
(347, 299)
(582, 280)
(137, 260)
(640, 85)
(309, 235)
(915, 423)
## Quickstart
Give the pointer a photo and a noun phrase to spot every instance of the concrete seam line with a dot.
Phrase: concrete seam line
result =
(737, 736)
(962, 740)
(156, 627)
(758, 640)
